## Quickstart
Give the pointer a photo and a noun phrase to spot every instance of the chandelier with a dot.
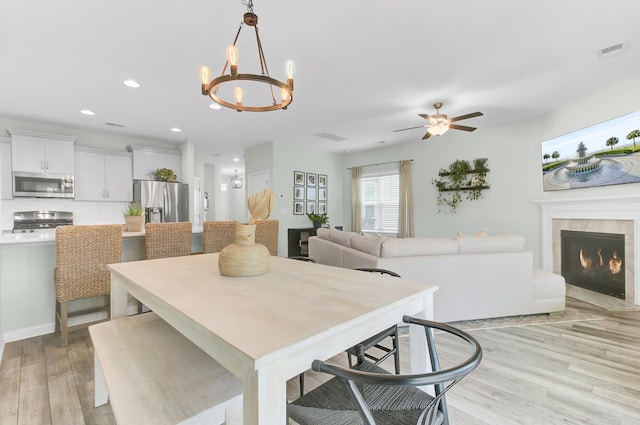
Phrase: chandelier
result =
(236, 182)
(278, 94)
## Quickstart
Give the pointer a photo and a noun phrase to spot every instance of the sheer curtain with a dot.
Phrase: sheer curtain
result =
(356, 205)
(405, 201)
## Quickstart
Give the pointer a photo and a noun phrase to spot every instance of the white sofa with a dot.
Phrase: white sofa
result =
(478, 276)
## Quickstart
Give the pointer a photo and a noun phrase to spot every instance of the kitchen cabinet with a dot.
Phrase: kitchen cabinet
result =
(147, 159)
(103, 176)
(5, 169)
(41, 152)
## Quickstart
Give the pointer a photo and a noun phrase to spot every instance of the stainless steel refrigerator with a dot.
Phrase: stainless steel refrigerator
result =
(162, 201)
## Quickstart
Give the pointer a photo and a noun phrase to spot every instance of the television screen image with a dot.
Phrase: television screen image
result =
(600, 155)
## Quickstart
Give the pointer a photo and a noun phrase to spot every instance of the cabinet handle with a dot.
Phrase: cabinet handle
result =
(46, 164)
(42, 165)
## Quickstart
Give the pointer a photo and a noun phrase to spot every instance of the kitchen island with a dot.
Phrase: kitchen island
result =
(27, 290)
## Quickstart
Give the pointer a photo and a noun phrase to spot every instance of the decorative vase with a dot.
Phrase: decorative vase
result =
(244, 257)
(134, 222)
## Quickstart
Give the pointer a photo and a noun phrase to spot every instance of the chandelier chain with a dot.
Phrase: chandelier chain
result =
(249, 4)
(263, 63)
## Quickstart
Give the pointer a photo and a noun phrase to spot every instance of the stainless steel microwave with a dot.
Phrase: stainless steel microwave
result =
(37, 185)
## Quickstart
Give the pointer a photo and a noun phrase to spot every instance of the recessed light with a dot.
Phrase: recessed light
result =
(236, 159)
(176, 130)
(131, 83)
(215, 106)
(87, 112)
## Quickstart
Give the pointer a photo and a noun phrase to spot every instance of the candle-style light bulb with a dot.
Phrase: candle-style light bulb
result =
(289, 71)
(232, 58)
(238, 92)
(284, 94)
(205, 77)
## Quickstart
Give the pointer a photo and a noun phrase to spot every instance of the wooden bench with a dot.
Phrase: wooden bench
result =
(154, 375)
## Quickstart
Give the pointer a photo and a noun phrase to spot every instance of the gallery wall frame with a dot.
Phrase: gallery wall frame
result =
(607, 153)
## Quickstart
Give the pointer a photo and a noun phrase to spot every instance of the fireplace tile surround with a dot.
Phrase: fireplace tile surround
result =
(611, 214)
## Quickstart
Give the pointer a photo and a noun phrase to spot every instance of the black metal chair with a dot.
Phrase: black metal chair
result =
(374, 396)
(362, 350)
(302, 258)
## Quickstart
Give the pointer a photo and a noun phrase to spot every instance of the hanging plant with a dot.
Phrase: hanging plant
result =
(459, 177)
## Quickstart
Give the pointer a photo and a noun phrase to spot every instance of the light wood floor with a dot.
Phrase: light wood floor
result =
(565, 373)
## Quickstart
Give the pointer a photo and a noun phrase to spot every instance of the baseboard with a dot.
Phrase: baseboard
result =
(48, 328)
(1, 348)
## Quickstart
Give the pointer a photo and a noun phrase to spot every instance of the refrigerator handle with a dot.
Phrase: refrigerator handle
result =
(165, 202)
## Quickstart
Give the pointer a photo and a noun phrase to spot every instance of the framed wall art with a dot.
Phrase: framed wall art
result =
(322, 207)
(322, 194)
(311, 179)
(298, 178)
(311, 193)
(298, 193)
(298, 208)
(322, 180)
(311, 207)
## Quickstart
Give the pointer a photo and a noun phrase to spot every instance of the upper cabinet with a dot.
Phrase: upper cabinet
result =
(147, 159)
(5, 168)
(103, 176)
(41, 152)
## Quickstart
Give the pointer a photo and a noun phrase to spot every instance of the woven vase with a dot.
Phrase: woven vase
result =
(244, 257)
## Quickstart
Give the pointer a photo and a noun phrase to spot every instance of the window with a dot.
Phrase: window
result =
(379, 199)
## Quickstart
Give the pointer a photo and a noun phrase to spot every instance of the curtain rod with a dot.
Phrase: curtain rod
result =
(381, 163)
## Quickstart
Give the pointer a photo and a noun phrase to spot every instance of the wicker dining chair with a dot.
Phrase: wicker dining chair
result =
(365, 348)
(267, 235)
(373, 396)
(82, 255)
(217, 234)
(164, 240)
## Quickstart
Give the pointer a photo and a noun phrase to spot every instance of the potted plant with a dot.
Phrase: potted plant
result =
(461, 177)
(318, 219)
(165, 174)
(134, 217)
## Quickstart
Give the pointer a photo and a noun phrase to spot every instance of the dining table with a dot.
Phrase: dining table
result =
(269, 328)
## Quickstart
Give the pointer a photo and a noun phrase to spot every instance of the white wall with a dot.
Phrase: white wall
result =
(514, 155)
(281, 160)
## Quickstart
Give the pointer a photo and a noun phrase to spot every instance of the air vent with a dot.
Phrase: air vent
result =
(611, 50)
(112, 124)
(330, 136)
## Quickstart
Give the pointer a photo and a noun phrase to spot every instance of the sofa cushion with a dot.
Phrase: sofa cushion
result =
(369, 244)
(323, 233)
(340, 237)
(409, 247)
(502, 243)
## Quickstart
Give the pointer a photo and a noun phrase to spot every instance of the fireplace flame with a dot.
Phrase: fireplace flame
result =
(615, 263)
(585, 261)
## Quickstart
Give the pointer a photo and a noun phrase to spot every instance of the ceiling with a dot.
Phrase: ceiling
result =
(362, 69)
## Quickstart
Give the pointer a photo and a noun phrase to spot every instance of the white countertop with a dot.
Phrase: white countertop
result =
(7, 237)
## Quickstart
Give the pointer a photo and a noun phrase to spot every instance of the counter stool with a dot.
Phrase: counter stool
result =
(82, 255)
(267, 235)
(164, 240)
(217, 234)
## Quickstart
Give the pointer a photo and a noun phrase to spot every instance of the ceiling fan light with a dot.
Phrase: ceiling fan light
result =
(438, 129)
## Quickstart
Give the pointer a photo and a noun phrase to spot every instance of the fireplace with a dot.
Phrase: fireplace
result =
(594, 261)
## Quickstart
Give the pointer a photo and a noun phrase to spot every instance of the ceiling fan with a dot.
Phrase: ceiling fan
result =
(439, 123)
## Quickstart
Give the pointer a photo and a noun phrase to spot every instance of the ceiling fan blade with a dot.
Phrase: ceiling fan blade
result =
(461, 127)
(410, 128)
(426, 136)
(425, 116)
(467, 116)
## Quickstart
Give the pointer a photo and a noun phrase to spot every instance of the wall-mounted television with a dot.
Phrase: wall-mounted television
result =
(600, 155)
